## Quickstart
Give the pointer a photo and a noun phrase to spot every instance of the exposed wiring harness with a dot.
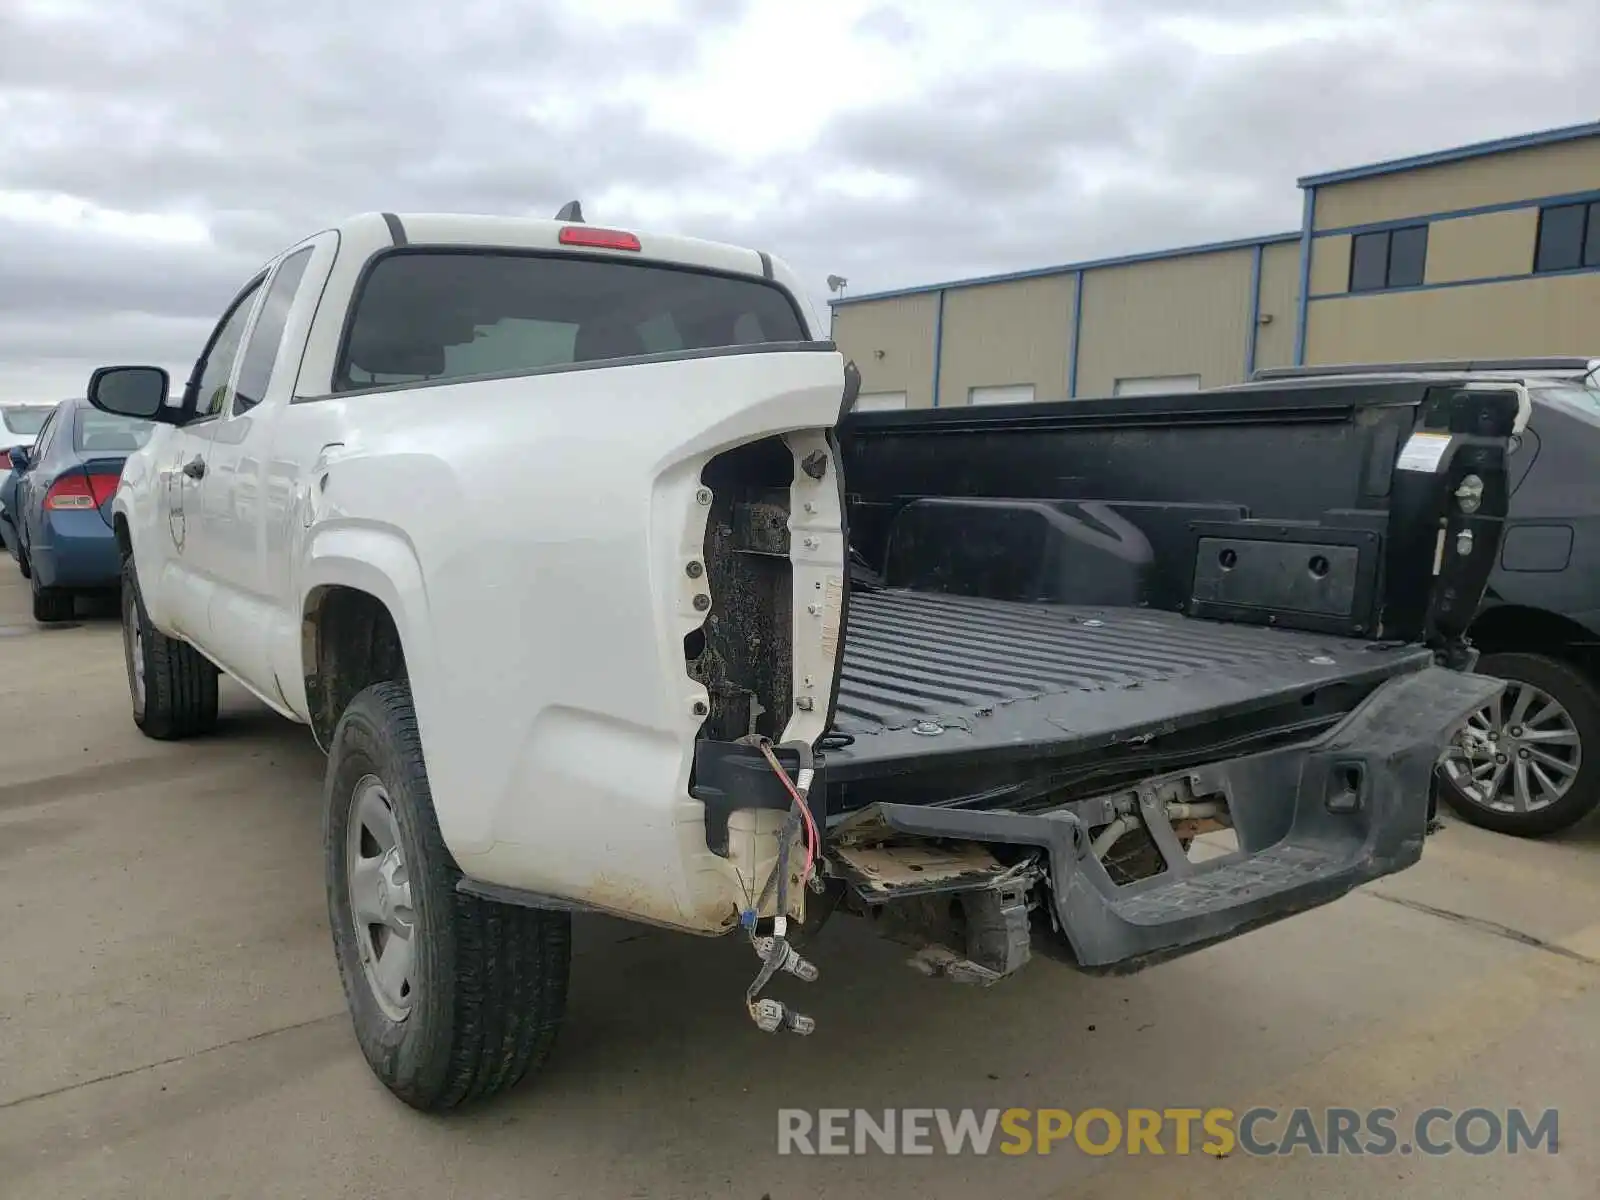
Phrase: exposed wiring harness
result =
(775, 952)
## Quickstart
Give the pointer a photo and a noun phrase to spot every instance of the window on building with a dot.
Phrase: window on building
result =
(1569, 237)
(1155, 385)
(1009, 393)
(1390, 258)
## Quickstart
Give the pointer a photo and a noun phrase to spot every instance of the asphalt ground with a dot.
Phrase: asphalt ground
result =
(171, 1023)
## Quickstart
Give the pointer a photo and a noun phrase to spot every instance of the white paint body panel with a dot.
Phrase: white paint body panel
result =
(528, 534)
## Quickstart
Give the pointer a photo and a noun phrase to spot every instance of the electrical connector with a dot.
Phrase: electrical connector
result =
(768, 1015)
(773, 1015)
(788, 959)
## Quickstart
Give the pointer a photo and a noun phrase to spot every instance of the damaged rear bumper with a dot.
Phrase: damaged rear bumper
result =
(1312, 821)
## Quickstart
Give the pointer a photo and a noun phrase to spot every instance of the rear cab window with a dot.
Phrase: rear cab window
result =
(440, 314)
(96, 432)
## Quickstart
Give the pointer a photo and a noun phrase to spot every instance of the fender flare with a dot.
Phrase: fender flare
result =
(380, 561)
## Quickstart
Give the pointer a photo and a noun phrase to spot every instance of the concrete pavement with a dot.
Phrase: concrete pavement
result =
(171, 1023)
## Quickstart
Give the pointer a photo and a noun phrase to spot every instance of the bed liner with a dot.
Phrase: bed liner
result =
(928, 675)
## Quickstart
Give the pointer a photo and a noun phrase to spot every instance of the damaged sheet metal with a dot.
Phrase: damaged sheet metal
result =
(883, 872)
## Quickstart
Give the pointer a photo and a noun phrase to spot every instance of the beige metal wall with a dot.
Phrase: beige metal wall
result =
(891, 342)
(1330, 265)
(1549, 315)
(1008, 333)
(1175, 316)
(1498, 179)
(1280, 292)
(1482, 247)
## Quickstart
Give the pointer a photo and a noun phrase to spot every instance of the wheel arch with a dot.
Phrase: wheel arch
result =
(1518, 628)
(362, 612)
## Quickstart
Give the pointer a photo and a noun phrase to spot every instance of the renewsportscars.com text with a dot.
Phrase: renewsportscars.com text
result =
(1176, 1131)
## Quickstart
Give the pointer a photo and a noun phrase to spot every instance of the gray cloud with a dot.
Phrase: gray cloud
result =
(1156, 145)
(268, 128)
(888, 24)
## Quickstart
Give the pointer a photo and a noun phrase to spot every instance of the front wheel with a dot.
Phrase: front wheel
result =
(172, 685)
(452, 997)
(1529, 763)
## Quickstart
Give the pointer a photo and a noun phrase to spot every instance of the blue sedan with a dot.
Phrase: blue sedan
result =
(61, 507)
(20, 424)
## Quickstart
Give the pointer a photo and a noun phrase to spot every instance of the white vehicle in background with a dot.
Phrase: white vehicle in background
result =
(20, 423)
(541, 528)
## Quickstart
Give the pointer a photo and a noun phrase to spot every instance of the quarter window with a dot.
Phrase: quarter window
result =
(1389, 258)
(255, 372)
(218, 369)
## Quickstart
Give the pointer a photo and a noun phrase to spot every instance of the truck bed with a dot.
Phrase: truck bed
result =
(929, 675)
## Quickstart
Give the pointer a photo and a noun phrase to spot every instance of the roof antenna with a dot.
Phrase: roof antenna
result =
(571, 211)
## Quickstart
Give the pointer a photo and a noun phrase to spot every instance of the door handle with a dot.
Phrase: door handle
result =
(195, 468)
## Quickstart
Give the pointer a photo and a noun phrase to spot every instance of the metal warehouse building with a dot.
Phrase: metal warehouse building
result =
(1481, 251)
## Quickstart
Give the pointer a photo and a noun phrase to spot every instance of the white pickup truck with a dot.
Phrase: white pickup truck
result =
(561, 542)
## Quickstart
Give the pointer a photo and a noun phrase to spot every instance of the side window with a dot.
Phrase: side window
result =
(255, 371)
(212, 397)
(41, 444)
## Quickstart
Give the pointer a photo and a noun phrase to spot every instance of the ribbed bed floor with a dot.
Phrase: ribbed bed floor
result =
(926, 672)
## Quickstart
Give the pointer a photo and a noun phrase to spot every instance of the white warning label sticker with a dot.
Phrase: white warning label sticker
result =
(832, 611)
(1423, 452)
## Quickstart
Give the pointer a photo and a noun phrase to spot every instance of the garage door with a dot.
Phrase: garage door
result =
(1156, 385)
(879, 402)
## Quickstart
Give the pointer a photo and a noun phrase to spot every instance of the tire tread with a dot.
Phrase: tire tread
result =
(508, 966)
(180, 683)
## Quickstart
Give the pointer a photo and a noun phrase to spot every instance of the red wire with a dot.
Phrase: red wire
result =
(813, 839)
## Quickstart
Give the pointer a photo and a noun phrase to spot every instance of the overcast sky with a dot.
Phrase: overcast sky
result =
(154, 152)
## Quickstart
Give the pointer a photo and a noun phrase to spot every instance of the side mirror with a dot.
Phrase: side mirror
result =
(134, 392)
(19, 458)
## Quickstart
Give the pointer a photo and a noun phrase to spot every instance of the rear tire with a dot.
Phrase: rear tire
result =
(172, 685)
(1578, 721)
(13, 543)
(479, 990)
(51, 606)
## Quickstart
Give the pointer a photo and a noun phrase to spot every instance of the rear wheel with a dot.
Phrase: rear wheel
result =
(50, 605)
(13, 543)
(172, 685)
(1529, 762)
(453, 998)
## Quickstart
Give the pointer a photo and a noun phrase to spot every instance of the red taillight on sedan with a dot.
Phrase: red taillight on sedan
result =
(103, 487)
(78, 490)
(5, 461)
(70, 491)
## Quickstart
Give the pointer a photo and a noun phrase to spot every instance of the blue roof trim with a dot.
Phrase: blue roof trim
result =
(1521, 141)
(1452, 214)
(1124, 260)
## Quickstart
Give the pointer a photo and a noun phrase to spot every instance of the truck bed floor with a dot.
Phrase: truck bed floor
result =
(927, 674)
